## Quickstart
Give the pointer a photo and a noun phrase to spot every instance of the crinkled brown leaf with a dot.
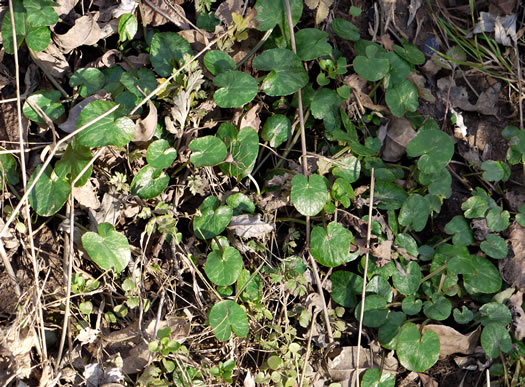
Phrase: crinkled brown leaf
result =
(451, 341)
(16, 345)
(512, 268)
(249, 226)
(145, 128)
(227, 8)
(360, 94)
(159, 12)
(518, 315)
(53, 61)
(399, 133)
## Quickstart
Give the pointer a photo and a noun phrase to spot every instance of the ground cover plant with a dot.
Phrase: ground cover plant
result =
(267, 192)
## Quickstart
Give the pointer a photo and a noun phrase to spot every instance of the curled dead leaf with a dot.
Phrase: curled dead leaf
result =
(249, 226)
(145, 128)
(398, 135)
(159, 12)
(53, 61)
(70, 124)
(518, 315)
(512, 268)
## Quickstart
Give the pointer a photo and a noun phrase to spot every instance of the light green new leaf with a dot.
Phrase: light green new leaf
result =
(108, 248)
(213, 218)
(276, 130)
(495, 339)
(240, 204)
(217, 62)
(435, 148)
(287, 74)
(149, 182)
(223, 267)
(345, 287)
(414, 212)
(475, 207)
(160, 154)
(331, 246)
(207, 151)
(415, 352)
(47, 101)
(167, 50)
(312, 43)
(110, 130)
(227, 316)
(309, 196)
(494, 246)
(127, 27)
(50, 193)
(8, 169)
(235, 89)
(402, 98)
(90, 80)
(40, 13)
(374, 378)
(408, 282)
(74, 159)
(273, 12)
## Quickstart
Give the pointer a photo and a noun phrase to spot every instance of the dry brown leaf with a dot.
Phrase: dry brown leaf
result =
(87, 335)
(162, 13)
(398, 135)
(322, 10)
(249, 226)
(454, 342)
(518, 315)
(427, 381)
(312, 4)
(109, 59)
(419, 82)
(15, 350)
(108, 212)
(69, 125)
(512, 268)
(145, 128)
(64, 6)
(251, 118)
(53, 61)
(382, 251)
(515, 198)
(227, 8)
(10, 239)
(359, 86)
(85, 32)
(486, 103)
(86, 196)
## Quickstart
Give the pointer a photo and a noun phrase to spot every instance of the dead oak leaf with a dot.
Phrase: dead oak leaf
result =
(512, 268)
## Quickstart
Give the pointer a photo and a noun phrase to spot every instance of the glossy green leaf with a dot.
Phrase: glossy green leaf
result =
(375, 313)
(411, 305)
(217, 62)
(399, 69)
(389, 196)
(38, 38)
(309, 196)
(415, 352)
(227, 317)
(325, 105)
(435, 148)
(207, 151)
(167, 51)
(251, 285)
(213, 218)
(494, 246)
(331, 246)
(312, 43)
(345, 287)
(287, 74)
(439, 183)
(50, 193)
(276, 130)
(108, 248)
(345, 29)
(223, 267)
(244, 148)
(498, 219)
(414, 212)
(273, 12)
(40, 13)
(485, 278)
(408, 243)
(235, 89)
(149, 182)
(20, 26)
(402, 98)
(74, 159)
(143, 79)
(342, 191)
(461, 230)
(495, 339)
(113, 129)
(475, 207)
(240, 204)
(495, 170)
(127, 27)
(374, 378)
(160, 154)
(47, 100)
(8, 169)
(388, 333)
(439, 308)
(370, 68)
(90, 80)
(494, 312)
(348, 168)
(408, 282)
(463, 316)
(410, 52)
(379, 285)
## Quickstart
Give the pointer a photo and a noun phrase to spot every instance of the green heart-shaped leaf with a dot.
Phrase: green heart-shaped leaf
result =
(240, 204)
(207, 151)
(463, 316)
(331, 246)
(494, 246)
(389, 196)
(408, 243)
(312, 43)
(345, 29)
(223, 267)
(345, 286)
(325, 105)
(388, 333)
(415, 352)
(475, 207)
(435, 148)
(90, 80)
(167, 49)
(410, 53)
(8, 169)
(109, 249)
(142, 79)
(375, 313)
(40, 13)
(494, 312)
(379, 285)
(226, 316)
(38, 38)
(484, 279)
(399, 69)
(160, 154)
(374, 378)
(217, 62)
(47, 101)
(251, 286)
(414, 212)
(273, 12)
(127, 27)
(276, 130)
(461, 230)
(110, 130)
(149, 182)
(497, 219)
(402, 98)
(408, 282)
(213, 218)
(495, 170)
(439, 308)
(348, 168)
(496, 339)
(309, 196)
(244, 147)
(439, 183)
(75, 158)
(235, 89)
(287, 74)
(411, 305)
(50, 193)
(370, 68)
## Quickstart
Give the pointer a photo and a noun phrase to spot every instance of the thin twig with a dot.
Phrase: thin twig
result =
(315, 270)
(520, 99)
(363, 296)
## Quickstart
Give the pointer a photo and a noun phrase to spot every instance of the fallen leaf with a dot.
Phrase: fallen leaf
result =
(518, 315)
(451, 341)
(323, 10)
(251, 118)
(163, 12)
(412, 10)
(512, 268)
(16, 345)
(249, 380)
(70, 124)
(10, 239)
(86, 196)
(398, 135)
(419, 81)
(109, 59)
(108, 212)
(226, 9)
(427, 381)
(382, 251)
(145, 128)
(86, 31)
(515, 198)
(65, 6)
(249, 226)
(87, 335)
(359, 93)
(53, 61)
(486, 103)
